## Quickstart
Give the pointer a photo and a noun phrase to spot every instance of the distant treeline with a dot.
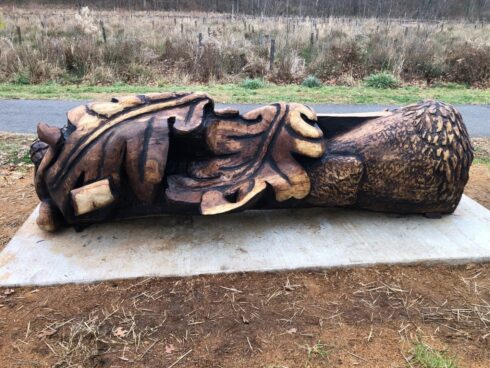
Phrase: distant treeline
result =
(414, 9)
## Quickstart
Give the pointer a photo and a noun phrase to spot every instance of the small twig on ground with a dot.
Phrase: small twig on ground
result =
(178, 360)
(231, 289)
(355, 355)
(406, 359)
(250, 345)
(28, 329)
(149, 347)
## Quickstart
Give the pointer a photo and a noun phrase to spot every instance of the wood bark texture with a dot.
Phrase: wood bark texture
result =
(173, 153)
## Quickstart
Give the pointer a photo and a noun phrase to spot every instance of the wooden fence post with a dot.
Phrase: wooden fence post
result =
(19, 35)
(104, 36)
(272, 52)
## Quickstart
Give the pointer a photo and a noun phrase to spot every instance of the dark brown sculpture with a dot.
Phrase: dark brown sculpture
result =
(174, 153)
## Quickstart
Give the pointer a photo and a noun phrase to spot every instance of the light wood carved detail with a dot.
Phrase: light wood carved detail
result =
(92, 197)
(249, 154)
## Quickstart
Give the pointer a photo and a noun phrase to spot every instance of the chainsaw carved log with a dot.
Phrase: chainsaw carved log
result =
(173, 153)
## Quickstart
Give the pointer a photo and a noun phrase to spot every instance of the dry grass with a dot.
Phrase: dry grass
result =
(162, 47)
(298, 319)
(14, 149)
(482, 150)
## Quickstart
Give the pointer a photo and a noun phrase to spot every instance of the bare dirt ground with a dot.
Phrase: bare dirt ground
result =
(370, 317)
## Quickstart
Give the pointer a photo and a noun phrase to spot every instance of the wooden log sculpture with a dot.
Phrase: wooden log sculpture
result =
(173, 153)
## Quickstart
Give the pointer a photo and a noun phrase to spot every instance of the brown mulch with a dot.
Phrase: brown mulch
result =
(17, 200)
(339, 318)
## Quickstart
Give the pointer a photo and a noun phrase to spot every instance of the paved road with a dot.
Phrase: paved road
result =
(22, 116)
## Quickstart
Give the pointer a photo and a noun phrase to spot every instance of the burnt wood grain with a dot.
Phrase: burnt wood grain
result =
(173, 153)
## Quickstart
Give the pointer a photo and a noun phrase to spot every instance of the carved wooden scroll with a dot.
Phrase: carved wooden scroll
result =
(174, 153)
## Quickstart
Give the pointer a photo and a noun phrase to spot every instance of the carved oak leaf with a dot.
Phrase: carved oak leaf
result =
(249, 153)
(128, 133)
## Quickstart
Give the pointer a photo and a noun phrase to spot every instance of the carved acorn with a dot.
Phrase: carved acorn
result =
(415, 159)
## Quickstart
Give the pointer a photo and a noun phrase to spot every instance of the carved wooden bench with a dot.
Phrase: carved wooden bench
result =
(173, 153)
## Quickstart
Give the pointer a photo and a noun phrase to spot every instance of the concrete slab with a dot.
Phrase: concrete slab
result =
(251, 241)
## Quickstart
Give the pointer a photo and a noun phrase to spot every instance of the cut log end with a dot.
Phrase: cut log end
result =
(92, 197)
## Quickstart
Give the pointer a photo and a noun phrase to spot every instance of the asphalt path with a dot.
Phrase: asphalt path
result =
(22, 116)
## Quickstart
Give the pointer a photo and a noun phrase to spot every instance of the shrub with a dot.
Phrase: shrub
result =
(423, 61)
(348, 80)
(431, 71)
(381, 80)
(255, 66)
(336, 60)
(289, 68)
(311, 82)
(469, 64)
(253, 83)
(22, 78)
(101, 75)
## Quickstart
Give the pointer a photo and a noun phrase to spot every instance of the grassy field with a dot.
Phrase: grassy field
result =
(103, 47)
(236, 93)
(54, 53)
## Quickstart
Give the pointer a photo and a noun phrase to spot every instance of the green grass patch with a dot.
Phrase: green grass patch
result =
(482, 155)
(319, 351)
(22, 78)
(382, 80)
(311, 82)
(233, 93)
(253, 83)
(482, 160)
(427, 357)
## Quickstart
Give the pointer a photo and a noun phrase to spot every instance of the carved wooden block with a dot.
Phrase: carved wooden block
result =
(173, 153)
